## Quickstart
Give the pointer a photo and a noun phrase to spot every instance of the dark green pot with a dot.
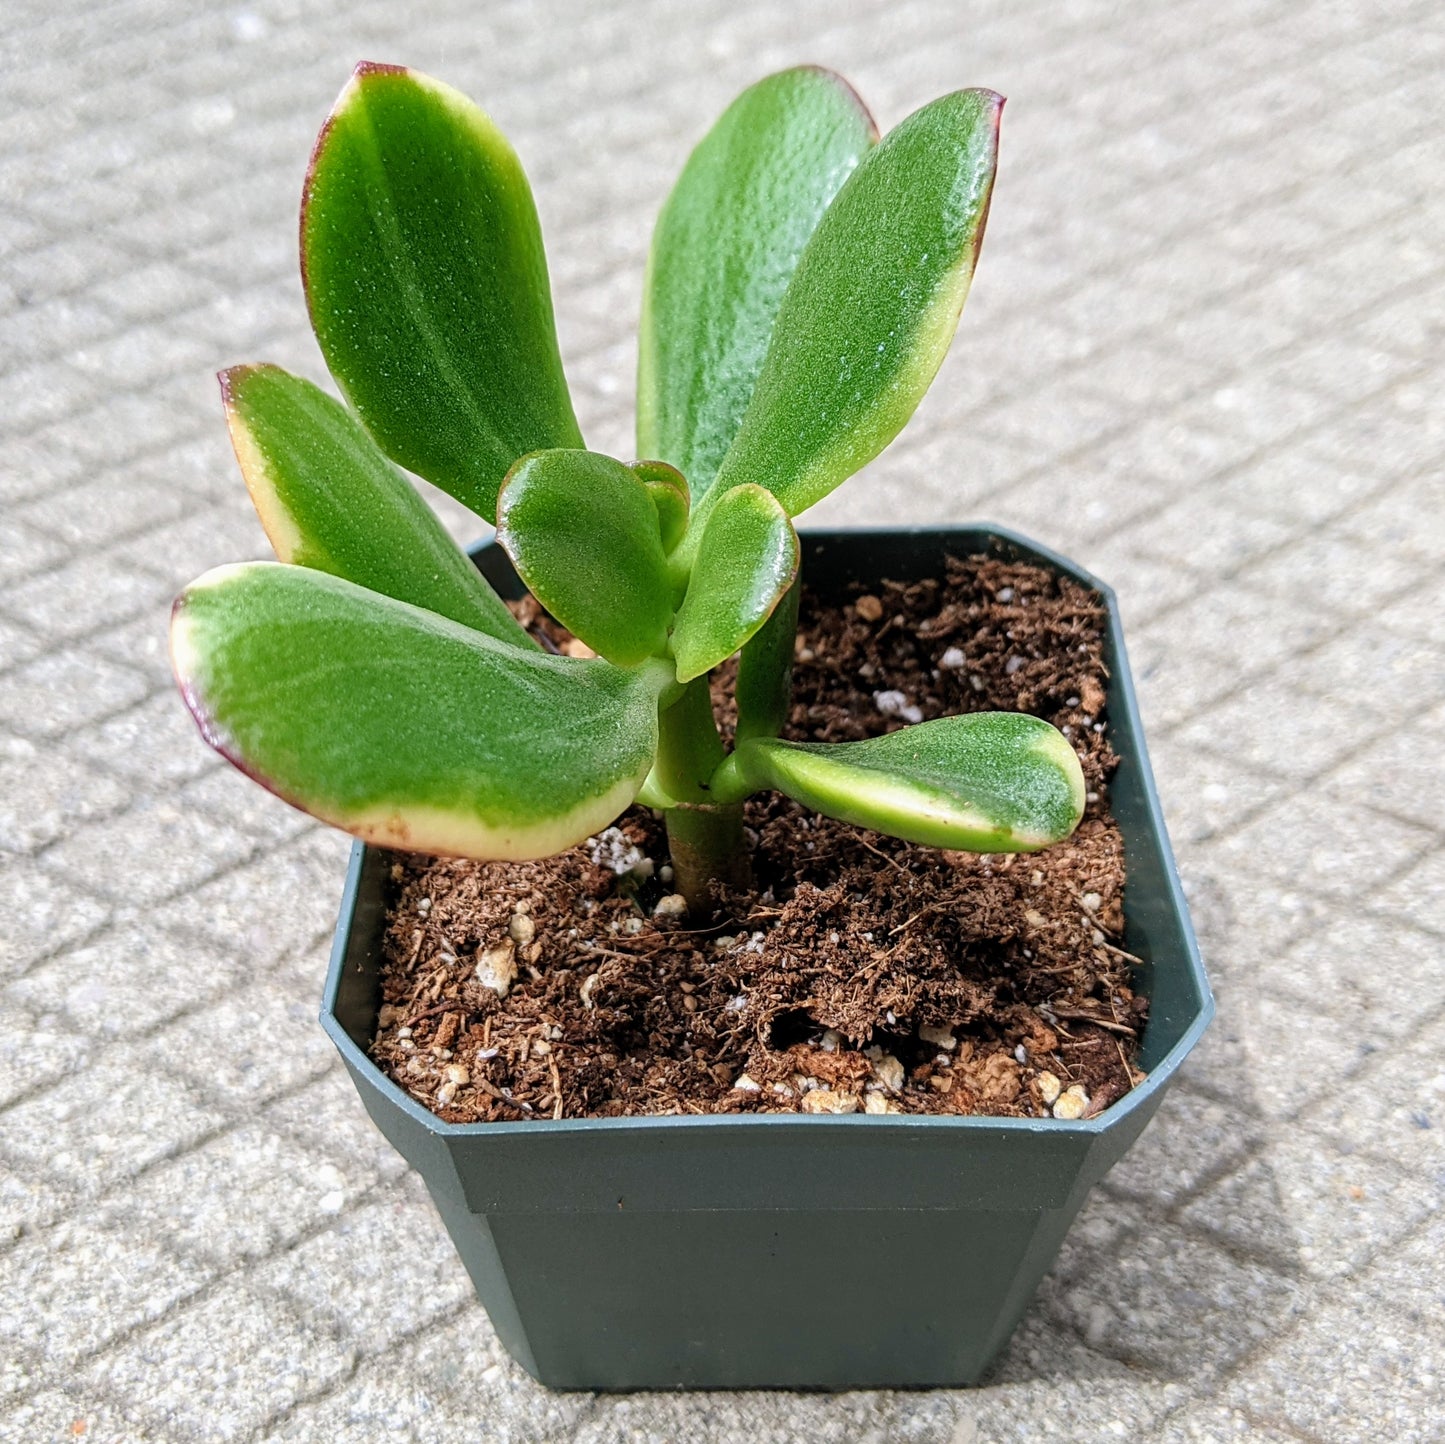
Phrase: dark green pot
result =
(730, 1252)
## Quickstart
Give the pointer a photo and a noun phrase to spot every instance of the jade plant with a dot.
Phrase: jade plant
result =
(804, 282)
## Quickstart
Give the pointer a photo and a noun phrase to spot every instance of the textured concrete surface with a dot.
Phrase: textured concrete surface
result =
(1202, 355)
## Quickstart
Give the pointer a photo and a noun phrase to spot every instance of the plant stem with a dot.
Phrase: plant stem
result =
(765, 671)
(707, 847)
(706, 840)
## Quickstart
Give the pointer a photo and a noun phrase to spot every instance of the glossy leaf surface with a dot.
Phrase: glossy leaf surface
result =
(726, 244)
(427, 283)
(329, 499)
(984, 782)
(745, 561)
(404, 728)
(873, 305)
(584, 534)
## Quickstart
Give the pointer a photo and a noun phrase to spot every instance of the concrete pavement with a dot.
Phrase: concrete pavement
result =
(1203, 356)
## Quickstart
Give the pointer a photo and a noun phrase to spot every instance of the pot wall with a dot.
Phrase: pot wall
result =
(774, 1251)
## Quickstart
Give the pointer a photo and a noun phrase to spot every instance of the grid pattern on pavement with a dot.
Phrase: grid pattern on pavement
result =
(1202, 356)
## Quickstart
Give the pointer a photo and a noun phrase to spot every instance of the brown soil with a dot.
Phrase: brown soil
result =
(861, 973)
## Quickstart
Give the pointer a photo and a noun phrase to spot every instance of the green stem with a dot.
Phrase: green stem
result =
(705, 839)
(765, 671)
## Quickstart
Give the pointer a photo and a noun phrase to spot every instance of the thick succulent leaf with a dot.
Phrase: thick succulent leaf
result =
(764, 690)
(405, 728)
(746, 560)
(425, 275)
(668, 490)
(985, 782)
(726, 244)
(329, 499)
(873, 305)
(584, 534)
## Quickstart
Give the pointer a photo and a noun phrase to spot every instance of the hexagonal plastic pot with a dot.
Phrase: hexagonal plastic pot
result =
(779, 1251)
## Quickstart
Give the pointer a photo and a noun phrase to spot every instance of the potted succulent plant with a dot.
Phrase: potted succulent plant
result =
(804, 283)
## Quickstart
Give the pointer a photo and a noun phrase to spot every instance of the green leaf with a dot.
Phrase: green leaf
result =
(668, 490)
(329, 499)
(984, 782)
(873, 305)
(746, 560)
(425, 275)
(583, 532)
(764, 690)
(405, 728)
(726, 244)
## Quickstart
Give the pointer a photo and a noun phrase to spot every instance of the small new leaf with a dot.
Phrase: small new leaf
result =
(329, 499)
(746, 560)
(984, 782)
(584, 533)
(668, 489)
(404, 728)
(873, 305)
(427, 283)
(725, 247)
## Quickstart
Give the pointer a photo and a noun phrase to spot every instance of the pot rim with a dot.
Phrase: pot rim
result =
(1122, 706)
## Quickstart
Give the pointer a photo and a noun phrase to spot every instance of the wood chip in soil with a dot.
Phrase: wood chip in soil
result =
(859, 974)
